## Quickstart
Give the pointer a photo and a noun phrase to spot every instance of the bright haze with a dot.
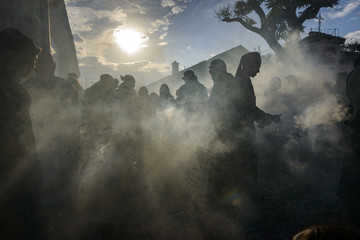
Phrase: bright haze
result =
(143, 38)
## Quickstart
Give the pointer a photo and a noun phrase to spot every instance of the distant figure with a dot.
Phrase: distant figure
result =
(153, 102)
(126, 93)
(273, 96)
(55, 113)
(20, 172)
(192, 95)
(274, 86)
(294, 100)
(143, 93)
(326, 233)
(103, 91)
(143, 96)
(292, 82)
(165, 97)
(143, 107)
(98, 104)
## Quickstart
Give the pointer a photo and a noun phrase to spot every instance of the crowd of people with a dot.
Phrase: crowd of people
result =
(108, 151)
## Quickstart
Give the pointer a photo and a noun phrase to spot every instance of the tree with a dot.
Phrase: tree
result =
(277, 18)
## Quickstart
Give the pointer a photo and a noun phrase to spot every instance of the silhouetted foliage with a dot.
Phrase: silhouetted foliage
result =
(278, 18)
(351, 46)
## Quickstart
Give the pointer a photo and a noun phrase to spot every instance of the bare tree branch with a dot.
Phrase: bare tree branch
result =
(245, 24)
(260, 12)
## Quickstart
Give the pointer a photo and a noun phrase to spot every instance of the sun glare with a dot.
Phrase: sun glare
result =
(130, 40)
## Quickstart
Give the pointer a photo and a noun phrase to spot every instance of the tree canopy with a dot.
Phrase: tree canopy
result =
(276, 19)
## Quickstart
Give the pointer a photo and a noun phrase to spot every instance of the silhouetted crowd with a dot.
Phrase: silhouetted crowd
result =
(110, 162)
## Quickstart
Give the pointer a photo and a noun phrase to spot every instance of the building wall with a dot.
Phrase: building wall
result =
(63, 39)
(23, 15)
(326, 50)
(39, 20)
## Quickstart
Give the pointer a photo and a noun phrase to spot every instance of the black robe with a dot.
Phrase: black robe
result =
(20, 172)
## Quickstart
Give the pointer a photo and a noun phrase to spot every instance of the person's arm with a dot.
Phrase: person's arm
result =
(265, 119)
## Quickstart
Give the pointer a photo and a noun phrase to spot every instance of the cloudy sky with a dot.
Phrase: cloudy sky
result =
(185, 31)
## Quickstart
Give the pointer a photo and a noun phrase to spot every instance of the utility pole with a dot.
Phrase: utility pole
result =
(319, 18)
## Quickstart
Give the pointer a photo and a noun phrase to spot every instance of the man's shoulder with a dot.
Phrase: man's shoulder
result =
(183, 87)
(200, 85)
(60, 81)
(229, 76)
(30, 82)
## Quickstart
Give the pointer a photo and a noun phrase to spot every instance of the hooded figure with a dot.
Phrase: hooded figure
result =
(20, 172)
(249, 67)
(247, 113)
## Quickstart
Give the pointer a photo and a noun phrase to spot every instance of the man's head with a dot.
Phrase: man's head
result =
(164, 90)
(18, 53)
(275, 83)
(143, 92)
(189, 75)
(108, 81)
(45, 65)
(129, 81)
(217, 68)
(250, 64)
(106, 78)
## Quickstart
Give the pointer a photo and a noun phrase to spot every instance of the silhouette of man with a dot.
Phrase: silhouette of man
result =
(126, 93)
(101, 92)
(98, 104)
(224, 167)
(192, 95)
(55, 113)
(20, 172)
(221, 100)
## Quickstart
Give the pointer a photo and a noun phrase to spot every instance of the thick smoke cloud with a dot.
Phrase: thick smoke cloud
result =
(154, 168)
(145, 171)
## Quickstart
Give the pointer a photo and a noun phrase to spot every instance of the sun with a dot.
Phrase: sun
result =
(130, 40)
